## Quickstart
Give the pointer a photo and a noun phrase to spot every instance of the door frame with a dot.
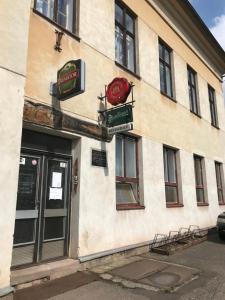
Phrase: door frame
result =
(41, 193)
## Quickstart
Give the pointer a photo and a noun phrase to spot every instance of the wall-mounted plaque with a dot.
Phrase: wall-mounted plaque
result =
(99, 158)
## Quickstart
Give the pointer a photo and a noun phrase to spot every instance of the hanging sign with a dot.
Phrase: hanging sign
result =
(118, 91)
(70, 79)
(119, 115)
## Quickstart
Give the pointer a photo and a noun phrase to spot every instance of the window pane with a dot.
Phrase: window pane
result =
(130, 52)
(168, 82)
(171, 166)
(162, 80)
(160, 51)
(171, 194)
(54, 172)
(213, 113)
(191, 98)
(126, 193)
(24, 231)
(26, 194)
(54, 228)
(65, 14)
(192, 77)
(200, 195)
(218, 175)
(165, 165)
(130, 158)
(220, 195)
(198, 171)
(119, 157)
(194, 100)
(129, 23)
(119, 46)
(46, 7)
(166, 56)
(119, 14)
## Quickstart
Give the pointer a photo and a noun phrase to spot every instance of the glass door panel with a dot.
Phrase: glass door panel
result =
(26, 210)
(41, 225)
(55, 209)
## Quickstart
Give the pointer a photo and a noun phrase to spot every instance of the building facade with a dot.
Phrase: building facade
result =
(165, 174)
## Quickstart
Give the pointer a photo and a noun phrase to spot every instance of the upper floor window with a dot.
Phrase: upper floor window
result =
(192, 88)
(126, 170)
(166, 84)
(171, 175)
(213, 109)
(200, 180)
(125, 36)
(220, 182)
(61, 12)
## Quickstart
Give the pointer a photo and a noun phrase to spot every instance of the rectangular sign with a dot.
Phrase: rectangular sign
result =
(71, 79)
(120, 128)
(99, 158)
(118, 116)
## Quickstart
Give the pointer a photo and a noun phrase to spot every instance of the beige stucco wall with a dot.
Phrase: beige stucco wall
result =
(14, 19)
(155, 115)
(157, 119)
(104, 228)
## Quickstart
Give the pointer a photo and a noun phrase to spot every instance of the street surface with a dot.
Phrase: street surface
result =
(194, 273)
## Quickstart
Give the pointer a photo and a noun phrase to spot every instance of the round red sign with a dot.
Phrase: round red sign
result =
(118, 91)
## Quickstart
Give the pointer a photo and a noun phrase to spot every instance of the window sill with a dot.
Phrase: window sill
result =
(57, 25)
(127, 70)
(167, 96)
(194, 113)
(202, 204)
(215, 126)
(174, 205)
(129, 206)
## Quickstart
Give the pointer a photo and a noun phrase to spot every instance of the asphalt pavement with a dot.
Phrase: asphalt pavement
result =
(194, 273)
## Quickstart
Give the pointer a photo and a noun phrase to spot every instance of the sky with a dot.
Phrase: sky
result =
(212, 13)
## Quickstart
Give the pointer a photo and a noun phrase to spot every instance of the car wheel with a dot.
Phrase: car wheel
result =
(221, 235)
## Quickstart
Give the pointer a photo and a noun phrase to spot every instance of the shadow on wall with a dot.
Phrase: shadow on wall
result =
(103, 107)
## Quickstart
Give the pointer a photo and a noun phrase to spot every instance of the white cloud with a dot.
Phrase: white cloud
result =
(218, 29)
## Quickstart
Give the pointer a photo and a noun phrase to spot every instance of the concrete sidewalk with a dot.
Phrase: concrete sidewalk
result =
(195, 273)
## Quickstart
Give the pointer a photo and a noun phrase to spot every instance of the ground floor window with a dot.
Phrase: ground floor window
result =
(220, 182)
(200, 180)
(170, 175)
(126, 170)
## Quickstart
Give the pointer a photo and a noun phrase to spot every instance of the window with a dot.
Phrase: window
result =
(125, 36)
(126, 170)
(171, 176)
(192, 88)
(200, 180)
(220, 182)
(61, 12)
(166, 85)
(212, 103)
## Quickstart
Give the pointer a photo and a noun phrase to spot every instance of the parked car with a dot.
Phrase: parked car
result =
(221, 225)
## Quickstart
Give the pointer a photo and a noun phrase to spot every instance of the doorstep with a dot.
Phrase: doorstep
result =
(29, 276)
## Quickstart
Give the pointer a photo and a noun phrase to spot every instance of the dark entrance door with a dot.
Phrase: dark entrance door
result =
(42, 212)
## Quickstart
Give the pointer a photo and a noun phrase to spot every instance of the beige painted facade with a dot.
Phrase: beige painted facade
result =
(96, 225)
(13, 57)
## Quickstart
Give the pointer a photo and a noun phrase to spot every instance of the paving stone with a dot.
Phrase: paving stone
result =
(139, 269)
(170, 277)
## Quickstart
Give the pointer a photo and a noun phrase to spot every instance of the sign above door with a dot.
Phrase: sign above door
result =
(70, 80)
